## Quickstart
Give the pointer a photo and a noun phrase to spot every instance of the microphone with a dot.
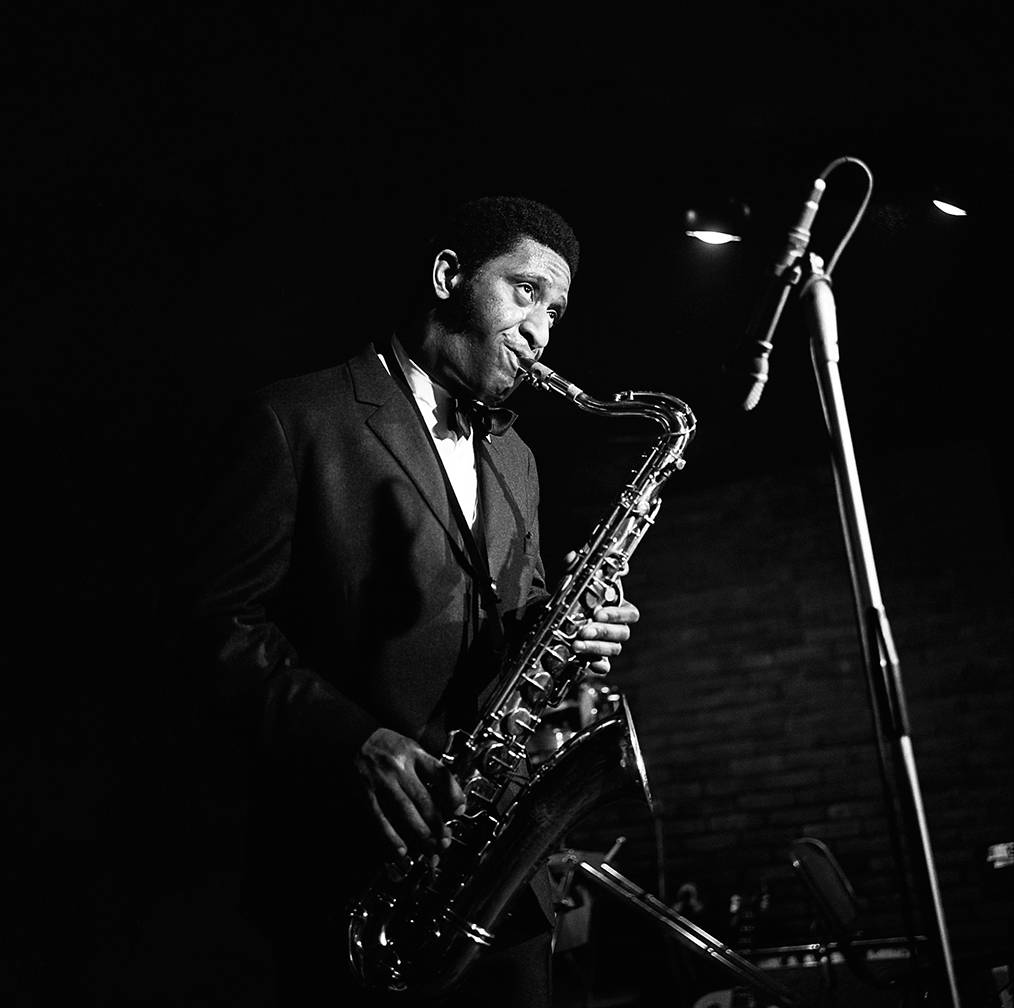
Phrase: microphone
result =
(799, 236)
(756, 343)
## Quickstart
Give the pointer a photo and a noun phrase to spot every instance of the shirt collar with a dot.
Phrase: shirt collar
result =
(426, 391)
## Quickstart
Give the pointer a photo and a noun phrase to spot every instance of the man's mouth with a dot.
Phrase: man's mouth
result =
(524, 359)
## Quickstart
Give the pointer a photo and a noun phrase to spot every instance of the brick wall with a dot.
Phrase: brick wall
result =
(749, 695)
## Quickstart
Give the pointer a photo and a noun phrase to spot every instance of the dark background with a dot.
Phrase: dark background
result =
(202, 201)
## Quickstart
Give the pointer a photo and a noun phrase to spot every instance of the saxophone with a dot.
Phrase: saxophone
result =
(416, 931)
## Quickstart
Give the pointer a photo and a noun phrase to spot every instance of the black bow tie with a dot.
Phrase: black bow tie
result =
(472, 414)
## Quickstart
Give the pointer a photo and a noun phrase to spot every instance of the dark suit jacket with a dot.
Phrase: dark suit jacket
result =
(335, 593)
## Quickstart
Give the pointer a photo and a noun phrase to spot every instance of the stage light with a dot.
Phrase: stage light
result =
(951, 196)
(950, 208)
(714, 237)
(717, 221)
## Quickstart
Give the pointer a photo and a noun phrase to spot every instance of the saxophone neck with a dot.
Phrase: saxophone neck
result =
(673, 414)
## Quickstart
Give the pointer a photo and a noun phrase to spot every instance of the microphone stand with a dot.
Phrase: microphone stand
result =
(883, 672)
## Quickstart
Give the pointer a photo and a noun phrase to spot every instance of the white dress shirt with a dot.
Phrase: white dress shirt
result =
(456, 451)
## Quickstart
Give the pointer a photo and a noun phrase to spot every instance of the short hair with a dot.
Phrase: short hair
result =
(490, 226)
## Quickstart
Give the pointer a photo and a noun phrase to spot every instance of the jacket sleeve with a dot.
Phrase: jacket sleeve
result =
(237, 555)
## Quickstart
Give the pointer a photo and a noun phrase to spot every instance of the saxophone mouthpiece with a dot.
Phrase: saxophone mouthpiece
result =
(546, 378)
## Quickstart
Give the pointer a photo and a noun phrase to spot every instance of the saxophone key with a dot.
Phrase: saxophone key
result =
(459, 749)
(537, 685)
(481, 788)
(467, 823)
(500, 757)
(600, 592)
(573, 621)
(519, 722)
(555, 658)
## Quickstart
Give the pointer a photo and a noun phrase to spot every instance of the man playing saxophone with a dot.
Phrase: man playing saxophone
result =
(367, 559)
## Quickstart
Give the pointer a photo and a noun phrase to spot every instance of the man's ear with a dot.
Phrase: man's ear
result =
(446, 273)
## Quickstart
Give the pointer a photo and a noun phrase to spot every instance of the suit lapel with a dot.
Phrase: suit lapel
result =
(396, 424)
(504, 520)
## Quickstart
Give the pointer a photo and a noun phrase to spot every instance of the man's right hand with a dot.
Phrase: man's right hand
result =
(409, 791)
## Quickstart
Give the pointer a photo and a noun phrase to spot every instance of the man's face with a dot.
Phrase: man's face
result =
(498, 315)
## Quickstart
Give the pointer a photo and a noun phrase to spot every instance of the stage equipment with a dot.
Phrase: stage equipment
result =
(685, 931)
(951, 209)
(883, 672)
(950, 199)
(587, 703)
(836, 900)
(752, 356)
(818, 975)
(717, 221)
(416, 931)
(830, 889)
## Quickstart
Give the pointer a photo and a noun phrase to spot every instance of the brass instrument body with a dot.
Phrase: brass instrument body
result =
(582, 775)
(417, 932)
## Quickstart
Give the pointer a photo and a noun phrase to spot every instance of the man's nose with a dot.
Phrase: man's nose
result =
(535, 330)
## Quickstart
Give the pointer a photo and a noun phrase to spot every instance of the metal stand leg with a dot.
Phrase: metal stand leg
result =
(883, 671)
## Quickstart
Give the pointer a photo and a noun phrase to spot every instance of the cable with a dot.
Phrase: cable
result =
(837, 163)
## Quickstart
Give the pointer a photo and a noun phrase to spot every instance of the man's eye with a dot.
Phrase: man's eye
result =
(527, 289)
(553, 316)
